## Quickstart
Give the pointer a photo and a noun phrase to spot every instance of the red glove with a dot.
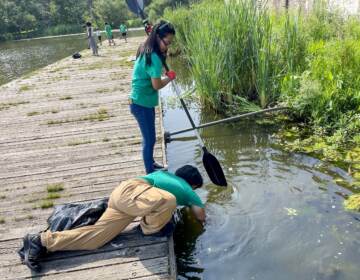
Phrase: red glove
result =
(171, 75)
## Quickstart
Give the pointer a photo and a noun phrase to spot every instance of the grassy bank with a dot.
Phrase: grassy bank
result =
(244, 57)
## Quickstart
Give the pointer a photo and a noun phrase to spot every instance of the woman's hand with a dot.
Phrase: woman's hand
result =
(171, 75)
(158, 83)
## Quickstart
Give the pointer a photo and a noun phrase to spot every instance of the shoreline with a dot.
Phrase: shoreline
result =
(68, 35)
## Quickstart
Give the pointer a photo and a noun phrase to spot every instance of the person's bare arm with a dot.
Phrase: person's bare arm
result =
(199, 213)
(158, 83)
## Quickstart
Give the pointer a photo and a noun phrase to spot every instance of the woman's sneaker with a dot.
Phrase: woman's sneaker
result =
(158, 166)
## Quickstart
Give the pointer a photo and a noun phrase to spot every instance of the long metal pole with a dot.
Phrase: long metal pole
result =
(177, 91)
(231, 119)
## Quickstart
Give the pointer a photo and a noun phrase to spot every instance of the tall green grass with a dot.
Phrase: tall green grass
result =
(244, 56)
(227, 49)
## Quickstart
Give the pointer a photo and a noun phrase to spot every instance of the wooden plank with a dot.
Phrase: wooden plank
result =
(171, 247)
(132, 270)
(97, 269)
(172, 259)
(38, 154)
(127, 239)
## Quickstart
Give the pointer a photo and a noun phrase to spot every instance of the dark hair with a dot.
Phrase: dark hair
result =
(106, 23)
(161, 29)
(191, 175)
(88, 23)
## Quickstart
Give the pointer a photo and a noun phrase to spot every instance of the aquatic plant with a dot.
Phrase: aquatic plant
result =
(240, 54)
(229, 50)
(353, 202)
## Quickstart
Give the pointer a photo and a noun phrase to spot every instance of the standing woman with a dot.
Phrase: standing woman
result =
(146, 81)
(91, 38)
(109, 33)
(123, 30)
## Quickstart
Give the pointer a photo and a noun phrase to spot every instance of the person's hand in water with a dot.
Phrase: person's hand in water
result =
(199, 213)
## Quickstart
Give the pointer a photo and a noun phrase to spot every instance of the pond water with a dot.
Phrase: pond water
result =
(281, 217)
(18, 58)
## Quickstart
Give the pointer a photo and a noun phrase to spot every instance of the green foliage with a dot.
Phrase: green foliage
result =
(156, 8)
(29, 18)
(53, 196)
(327, 93)
(239, 53)
(229, 48)
(114, 12)
(134, 23)
(46, 204)
(352, 203)
(62, 29)
(57, 187)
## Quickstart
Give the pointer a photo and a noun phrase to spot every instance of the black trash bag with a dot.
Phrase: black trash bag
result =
(74, 215)
(76, 55)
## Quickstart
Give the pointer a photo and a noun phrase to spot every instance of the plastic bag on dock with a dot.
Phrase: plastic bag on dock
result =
(74, 215)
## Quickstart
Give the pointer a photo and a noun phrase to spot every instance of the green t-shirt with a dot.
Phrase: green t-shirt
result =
(108, 30)
(123, 28)
(142, 91)
(185, 195)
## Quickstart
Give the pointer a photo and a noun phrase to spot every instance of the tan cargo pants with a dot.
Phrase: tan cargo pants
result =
(132, 198)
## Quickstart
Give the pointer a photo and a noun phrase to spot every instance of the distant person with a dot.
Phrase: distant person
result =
(91, 38)
(98, 35)
(146, 81)
(123, 31)
(109, 34)
(148, 27)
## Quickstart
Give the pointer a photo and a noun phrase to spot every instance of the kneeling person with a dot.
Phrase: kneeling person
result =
(153, 197)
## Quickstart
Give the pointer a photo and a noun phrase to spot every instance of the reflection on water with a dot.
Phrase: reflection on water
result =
(21, 57)
(280, 218)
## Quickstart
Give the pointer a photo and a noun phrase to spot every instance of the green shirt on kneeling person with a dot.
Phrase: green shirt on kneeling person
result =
(185, 195)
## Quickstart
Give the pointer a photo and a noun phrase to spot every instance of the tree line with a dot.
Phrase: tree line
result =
(31, 18)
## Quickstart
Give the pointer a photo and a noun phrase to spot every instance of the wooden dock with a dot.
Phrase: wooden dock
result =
(66, 135)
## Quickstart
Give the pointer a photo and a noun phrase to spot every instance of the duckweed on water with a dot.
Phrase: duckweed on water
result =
(240, 54)
(291, 211)
(352, 203)
(301, 139)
